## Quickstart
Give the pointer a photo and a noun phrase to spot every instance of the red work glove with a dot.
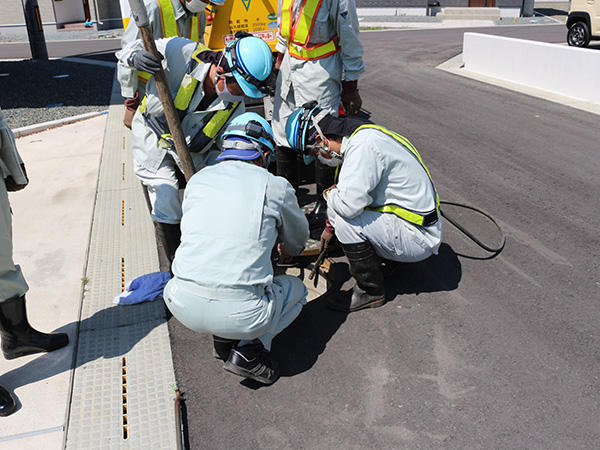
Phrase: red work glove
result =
(133, 102)
(351, 101)
(11, 185)
(131, 105)
(327, 235)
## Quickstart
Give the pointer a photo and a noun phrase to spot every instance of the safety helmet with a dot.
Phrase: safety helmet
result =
(251, 62)
(247, 137)
(302, 128)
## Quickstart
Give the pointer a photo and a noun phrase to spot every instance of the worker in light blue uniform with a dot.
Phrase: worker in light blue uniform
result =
(19, 338)
(234, 214)
(167, 18)
(208, 89)
(384, 204)
(320, 57)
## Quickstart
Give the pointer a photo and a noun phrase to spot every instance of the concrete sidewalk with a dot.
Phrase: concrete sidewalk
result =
(81, 231)
(51, 220)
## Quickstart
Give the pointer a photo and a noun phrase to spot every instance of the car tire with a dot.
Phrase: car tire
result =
(578, 35)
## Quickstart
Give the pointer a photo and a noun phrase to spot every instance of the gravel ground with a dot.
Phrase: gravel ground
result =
(34, 92)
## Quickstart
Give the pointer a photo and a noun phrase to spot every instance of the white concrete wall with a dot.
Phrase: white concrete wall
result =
(560, 69)
(68, 11)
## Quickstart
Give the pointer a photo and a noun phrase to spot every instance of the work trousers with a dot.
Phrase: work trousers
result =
(241, 315)
(12, 282)
(392, 237)
(163, 186)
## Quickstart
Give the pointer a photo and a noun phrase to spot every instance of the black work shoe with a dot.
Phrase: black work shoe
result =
(7, 403)
(354, 300)
(222, 347)
(253, 362)
(19, 338)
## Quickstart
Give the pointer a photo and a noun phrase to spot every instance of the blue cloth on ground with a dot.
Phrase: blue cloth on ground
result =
(145, 288)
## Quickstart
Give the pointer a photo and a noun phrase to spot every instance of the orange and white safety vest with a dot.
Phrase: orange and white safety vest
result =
(298, 33)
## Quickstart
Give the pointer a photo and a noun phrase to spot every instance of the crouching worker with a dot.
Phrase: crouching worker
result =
(384, 204)
(234, 213)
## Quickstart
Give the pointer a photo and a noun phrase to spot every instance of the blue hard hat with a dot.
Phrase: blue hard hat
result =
(251, 62)
(247, 137)
(300, 131)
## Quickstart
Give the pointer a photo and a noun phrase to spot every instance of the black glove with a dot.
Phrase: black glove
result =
(144, 61)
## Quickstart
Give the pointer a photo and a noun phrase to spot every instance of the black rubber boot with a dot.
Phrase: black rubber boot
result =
(170, 237)
(324, 178)
(287, 165)
(18, 337)
(366, 270)
(222, 347)
(7, 403)
(254, 362)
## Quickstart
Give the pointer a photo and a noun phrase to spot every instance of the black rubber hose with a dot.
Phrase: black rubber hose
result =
(469, 234)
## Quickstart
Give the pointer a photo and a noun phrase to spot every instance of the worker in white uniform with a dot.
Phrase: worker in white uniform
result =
(384, 204)
(167, 18)
(234, 214)
(208, 89)
(320, 57)
(18, 336)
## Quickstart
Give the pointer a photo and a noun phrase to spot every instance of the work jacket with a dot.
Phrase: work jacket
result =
(381, 169)
(234, 213)
(10, 160)
(320, 78)
(168, 18)
(148, 145)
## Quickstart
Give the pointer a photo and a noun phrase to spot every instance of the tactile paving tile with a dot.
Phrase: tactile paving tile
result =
(123, 384)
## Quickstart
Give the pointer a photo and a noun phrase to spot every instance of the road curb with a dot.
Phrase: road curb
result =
(31, 129)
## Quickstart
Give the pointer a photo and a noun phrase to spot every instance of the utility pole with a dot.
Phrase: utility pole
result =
(33, 21)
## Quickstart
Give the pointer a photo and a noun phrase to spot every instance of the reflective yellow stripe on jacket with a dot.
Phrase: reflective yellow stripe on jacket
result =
(297, 34)
(168, 24)
(406, 214)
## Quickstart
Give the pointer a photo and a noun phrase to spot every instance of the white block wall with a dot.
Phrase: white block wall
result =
(560, 69)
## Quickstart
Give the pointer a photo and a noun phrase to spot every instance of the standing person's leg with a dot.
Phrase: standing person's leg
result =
(19, 338)
(287, 159)
(163, 194)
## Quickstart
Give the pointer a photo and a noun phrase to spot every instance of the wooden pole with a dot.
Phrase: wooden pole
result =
(138, 11)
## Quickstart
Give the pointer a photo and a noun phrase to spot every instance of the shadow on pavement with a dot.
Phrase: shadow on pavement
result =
(47, 365)
(299, 346)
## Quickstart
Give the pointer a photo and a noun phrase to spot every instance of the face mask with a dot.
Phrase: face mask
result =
(225, 95)
(333, 162)
(195, 6)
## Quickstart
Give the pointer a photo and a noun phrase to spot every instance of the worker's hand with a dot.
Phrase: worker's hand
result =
(327, 191)
(327, 235)
(351, 101)
(11, 185)
(145, 61)
(284, 256)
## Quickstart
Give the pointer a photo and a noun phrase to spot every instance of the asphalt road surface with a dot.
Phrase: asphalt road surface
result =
(470, 352)
(102, 49)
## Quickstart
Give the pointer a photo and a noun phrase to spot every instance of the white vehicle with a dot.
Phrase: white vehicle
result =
(583, 22)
